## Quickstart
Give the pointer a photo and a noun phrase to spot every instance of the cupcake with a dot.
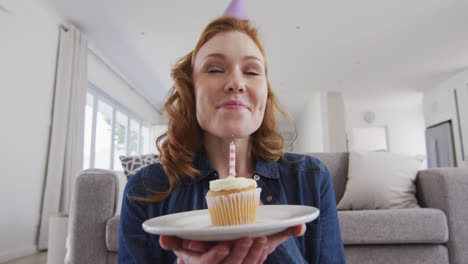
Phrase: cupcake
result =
(233, 201)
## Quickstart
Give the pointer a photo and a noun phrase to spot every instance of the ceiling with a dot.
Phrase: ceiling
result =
(359, 46)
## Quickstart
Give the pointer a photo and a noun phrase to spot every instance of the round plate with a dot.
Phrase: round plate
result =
(196, 225)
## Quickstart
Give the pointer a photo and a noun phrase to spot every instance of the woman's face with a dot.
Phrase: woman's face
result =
(230, 85)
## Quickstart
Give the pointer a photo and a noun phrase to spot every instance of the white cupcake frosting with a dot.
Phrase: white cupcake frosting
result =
(231, 183)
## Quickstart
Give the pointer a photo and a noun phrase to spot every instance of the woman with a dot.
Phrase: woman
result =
(221, 93)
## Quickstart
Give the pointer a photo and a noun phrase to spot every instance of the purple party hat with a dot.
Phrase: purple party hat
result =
(236, 9)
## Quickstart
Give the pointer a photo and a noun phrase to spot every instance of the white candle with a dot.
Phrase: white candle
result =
(232, 159)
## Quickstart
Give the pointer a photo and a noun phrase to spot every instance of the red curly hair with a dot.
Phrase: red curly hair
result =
(179, 145)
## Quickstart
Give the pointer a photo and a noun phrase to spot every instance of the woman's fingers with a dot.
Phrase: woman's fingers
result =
(256, 251)
(295, 231)
(215, 255)
(263, 257)
(174, 243)
(238, 251)
(170, 242)
(298, 230)
(196, 246)
(244, 250)
(277, 239)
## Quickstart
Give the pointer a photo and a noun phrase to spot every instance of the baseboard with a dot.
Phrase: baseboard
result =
(17, 253)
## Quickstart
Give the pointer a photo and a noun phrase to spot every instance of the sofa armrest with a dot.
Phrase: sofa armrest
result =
(93, 204)
(447, 189)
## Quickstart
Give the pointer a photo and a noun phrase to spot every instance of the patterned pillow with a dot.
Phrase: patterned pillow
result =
(132, 164)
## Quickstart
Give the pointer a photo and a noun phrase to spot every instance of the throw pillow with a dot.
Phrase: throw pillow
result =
(132, 164)
(381, 180)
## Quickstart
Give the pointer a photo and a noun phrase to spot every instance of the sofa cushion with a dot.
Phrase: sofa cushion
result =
(393, 226)
(381, 180)
(397, 254)
(112, 233)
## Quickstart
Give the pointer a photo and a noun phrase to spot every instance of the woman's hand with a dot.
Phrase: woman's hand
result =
(244, 250)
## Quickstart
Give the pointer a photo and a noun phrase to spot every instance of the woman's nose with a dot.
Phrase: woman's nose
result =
(235, 83)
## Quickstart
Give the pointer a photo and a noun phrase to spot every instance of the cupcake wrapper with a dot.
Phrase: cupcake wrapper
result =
(234, 209)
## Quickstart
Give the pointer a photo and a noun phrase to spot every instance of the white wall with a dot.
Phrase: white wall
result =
(439, 106)
(326, 120)
(310, 126)
(401, 113)
(28, 53)
(114, 84)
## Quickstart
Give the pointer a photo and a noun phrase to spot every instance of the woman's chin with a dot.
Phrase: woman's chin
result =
(237, 132)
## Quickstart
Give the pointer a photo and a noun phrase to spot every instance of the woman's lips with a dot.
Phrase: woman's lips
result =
(234, 105)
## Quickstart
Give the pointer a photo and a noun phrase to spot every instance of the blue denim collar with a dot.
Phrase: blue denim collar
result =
(262, 168)
(267, 169)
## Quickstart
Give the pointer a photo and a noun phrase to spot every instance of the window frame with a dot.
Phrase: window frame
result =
(100, 95)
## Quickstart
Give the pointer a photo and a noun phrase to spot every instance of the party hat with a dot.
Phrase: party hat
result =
(236, 9)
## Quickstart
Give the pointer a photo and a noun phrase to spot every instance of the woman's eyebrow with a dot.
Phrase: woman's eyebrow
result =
(223, 57)
(215, 55)
(253, 58)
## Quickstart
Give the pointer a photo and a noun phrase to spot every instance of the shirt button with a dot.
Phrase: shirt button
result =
(256, 177)
(269, 198)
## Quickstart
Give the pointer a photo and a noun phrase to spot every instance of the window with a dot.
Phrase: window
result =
(111, 131)
(120, 137)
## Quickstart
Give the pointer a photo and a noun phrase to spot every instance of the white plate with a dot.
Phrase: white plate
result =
(196, 225)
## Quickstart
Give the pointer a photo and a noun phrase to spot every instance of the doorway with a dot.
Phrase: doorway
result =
(440, 147)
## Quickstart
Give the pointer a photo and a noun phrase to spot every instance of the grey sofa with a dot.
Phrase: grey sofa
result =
(435, 233)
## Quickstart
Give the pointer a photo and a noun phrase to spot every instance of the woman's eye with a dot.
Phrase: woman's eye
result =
(252, 73)
(253, 70)
(215, 71)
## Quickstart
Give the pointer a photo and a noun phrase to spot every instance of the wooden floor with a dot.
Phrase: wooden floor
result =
(38, 258)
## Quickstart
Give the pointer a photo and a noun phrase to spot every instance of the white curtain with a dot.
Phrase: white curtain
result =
(65, 155)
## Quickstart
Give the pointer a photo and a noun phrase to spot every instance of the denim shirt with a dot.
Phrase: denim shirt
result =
(294, 179)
